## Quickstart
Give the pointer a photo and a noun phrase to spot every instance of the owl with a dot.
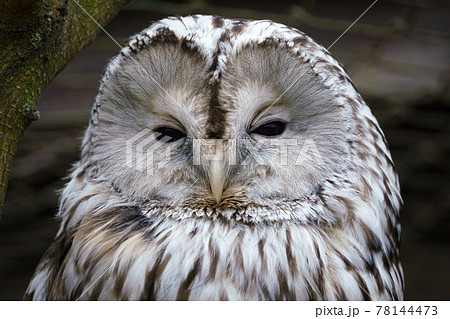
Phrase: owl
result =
(226, 160)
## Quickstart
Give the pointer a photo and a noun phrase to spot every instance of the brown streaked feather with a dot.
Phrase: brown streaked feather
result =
(184, 289)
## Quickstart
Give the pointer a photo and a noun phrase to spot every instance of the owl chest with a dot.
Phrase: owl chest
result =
(209, 261)
(216, 263)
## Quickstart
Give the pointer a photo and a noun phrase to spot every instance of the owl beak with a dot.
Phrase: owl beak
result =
(217, 178)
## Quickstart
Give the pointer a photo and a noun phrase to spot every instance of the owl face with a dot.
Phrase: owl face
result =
(234, 117)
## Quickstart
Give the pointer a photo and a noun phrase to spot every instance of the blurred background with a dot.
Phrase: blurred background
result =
(398, 57)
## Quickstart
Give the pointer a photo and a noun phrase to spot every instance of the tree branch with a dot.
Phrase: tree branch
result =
(37, 39)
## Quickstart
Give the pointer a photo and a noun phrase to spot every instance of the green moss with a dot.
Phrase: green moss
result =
(35, 39)
(27, 108)
(49, 16)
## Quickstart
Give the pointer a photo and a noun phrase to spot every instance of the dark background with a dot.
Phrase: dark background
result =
(398, 57)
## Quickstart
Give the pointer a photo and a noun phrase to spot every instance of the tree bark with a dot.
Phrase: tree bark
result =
(37, 39)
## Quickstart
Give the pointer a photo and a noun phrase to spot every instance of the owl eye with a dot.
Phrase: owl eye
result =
(273, 128)
(168, 134)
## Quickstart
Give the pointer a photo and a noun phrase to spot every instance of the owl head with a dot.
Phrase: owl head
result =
(213, 114)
